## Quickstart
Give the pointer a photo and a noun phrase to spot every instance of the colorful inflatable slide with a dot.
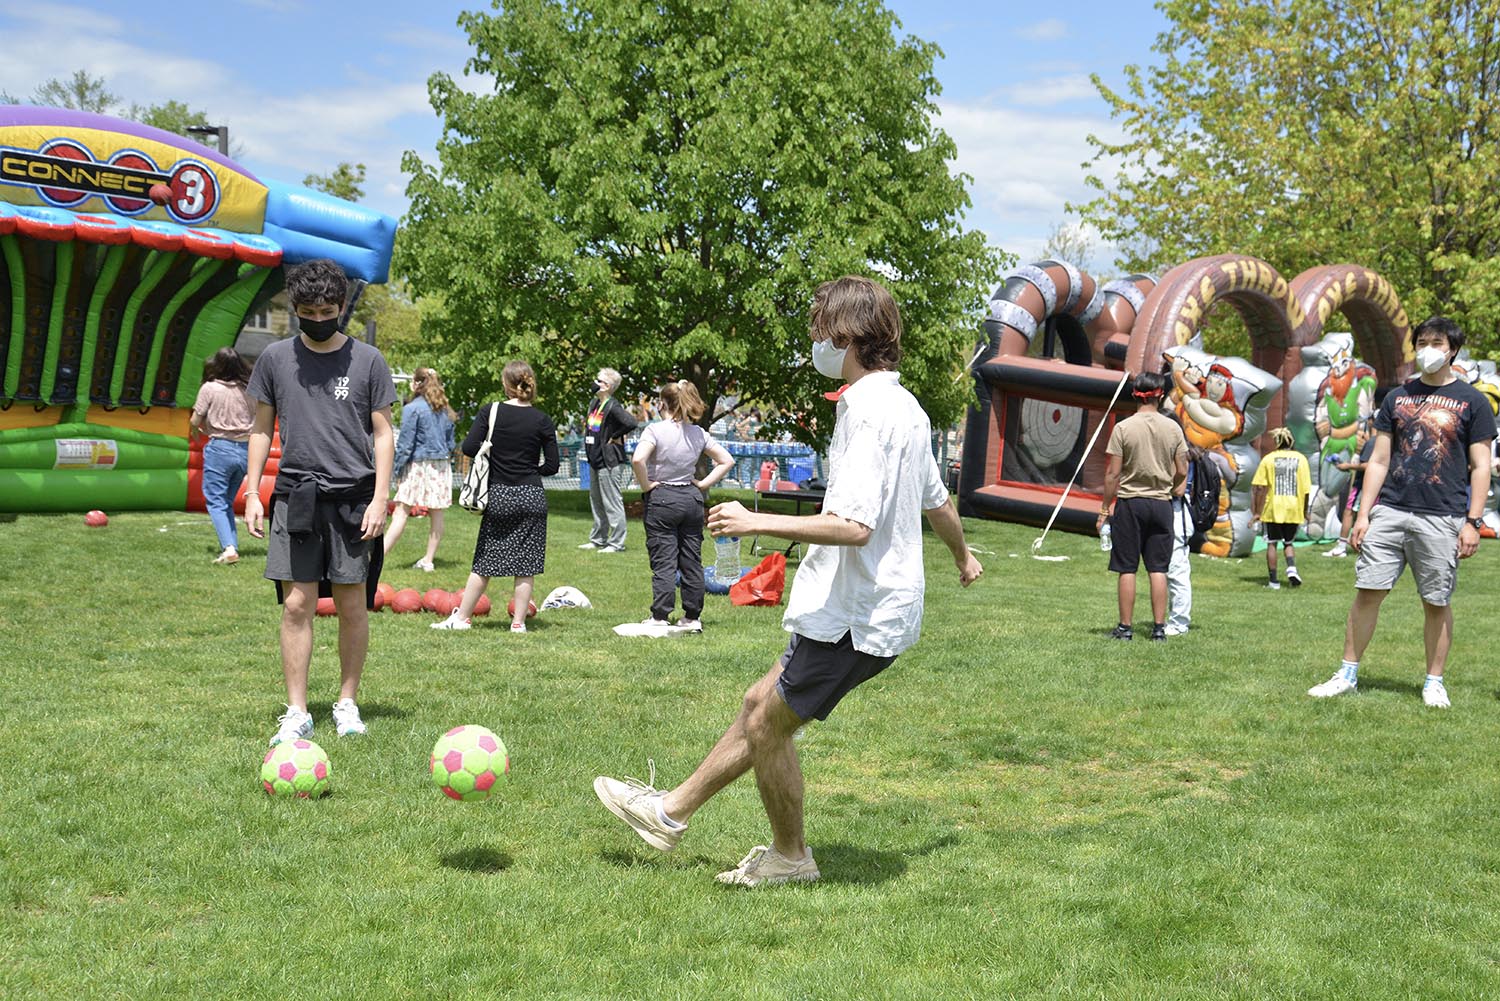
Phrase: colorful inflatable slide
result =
(128, 255)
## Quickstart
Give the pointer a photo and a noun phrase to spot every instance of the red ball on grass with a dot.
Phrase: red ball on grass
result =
(510, 608)
(96, 519)
(327, 607)
(406, 600)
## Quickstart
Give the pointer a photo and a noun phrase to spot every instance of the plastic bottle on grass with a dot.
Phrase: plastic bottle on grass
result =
(727, 558)
(1106, 540)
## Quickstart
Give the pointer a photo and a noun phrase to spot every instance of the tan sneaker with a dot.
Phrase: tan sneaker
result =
(767, 866)
(635, 802)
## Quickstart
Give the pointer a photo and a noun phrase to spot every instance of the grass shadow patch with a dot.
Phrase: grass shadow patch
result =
(1368, 684)
(480, 859)
(843, 863)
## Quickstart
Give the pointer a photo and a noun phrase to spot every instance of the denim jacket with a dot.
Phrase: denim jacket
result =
(424, 435)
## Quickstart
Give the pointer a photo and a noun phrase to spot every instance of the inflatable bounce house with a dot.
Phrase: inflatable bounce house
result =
(1061, 350)
(128, 255)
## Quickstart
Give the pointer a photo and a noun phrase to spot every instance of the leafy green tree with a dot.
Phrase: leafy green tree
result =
(79, 92)
(661, 187)
(344, 181)
(1313, 132)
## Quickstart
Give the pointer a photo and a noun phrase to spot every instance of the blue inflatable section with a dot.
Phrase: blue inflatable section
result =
(309, 224)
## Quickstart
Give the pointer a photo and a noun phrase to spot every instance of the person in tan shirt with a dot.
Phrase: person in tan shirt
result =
(1147, 469)
(223, 413)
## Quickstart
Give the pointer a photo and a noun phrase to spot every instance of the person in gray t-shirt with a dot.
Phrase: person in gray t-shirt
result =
(666, 464)
(333, 397)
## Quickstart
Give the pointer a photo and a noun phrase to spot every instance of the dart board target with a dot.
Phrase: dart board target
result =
(1050, 431)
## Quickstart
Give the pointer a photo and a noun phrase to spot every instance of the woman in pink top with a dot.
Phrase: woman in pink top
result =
(224, 413)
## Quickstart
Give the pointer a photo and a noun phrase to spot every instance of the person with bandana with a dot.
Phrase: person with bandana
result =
(1422, 503)
(855, 602)
(603, 443)
(1147, 470)
(332, 396)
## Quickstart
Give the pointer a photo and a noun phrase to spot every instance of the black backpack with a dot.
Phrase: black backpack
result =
(1204, 482)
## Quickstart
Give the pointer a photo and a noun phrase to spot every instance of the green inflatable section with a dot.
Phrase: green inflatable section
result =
(81, 490)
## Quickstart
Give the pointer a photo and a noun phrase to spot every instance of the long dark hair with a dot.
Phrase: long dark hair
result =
(226, 365)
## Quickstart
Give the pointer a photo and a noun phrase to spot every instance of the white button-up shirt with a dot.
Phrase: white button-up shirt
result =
(883, 476)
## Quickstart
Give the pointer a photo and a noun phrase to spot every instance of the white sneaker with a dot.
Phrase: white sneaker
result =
(1175, 630)
(635, 802)
(1293, 577)
(346, 721)
(655, 622)
(589, 545)
(1273, 585)
(1435, 696)
(689, 626)
(295, 724)
(1339, 549)
(1336, 685)
(453, 621)
(767, 866)
(422, 565)
(611, 549)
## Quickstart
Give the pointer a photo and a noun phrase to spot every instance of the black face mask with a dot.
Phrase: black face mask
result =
(318, 330)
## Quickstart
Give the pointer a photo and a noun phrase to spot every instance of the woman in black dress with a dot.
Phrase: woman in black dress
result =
(513, 530)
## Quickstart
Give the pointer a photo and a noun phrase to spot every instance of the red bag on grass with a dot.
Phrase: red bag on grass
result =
(763, 585)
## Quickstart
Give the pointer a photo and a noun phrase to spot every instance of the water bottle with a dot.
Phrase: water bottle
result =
(727, 558)
(1106, 540)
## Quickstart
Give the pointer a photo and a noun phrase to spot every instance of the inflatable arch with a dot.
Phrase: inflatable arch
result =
(1039, 400)
(128, 255)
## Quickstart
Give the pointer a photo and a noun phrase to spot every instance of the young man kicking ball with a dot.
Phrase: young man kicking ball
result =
(333, 396)
(856, 600)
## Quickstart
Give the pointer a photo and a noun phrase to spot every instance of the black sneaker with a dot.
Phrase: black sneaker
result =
(1122, 632)
(1159, 632)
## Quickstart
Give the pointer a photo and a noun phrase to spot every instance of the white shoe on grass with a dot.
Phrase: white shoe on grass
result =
(765, 866)
(635, 802)
(294, 724)
(1273, 585)
(1293, 577)
(453, 621)
(423, 565)
(1336, 685)
(689, 626)
(346, 721)
(1435, 695)
(653, 621)
(589, 545)
(1340, 548)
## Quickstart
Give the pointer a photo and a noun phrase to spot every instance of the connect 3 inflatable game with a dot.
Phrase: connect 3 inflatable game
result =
(128, 255)
(1060, 350)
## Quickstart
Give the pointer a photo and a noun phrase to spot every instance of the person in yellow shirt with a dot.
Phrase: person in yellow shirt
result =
(1278, 500)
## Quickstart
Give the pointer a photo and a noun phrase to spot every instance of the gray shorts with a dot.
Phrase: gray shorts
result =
(332, 551)
(1429, 542)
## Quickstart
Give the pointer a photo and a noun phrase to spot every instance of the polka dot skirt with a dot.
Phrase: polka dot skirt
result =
(512, 533)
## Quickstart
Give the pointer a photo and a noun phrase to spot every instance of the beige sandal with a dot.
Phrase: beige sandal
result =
(226, 558)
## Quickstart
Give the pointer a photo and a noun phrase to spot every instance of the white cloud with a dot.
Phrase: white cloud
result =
(1049, 30)
(1048, 91)
(1026, 166)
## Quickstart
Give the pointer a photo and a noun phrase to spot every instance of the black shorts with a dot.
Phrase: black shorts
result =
(1142, 532)
(1280, 531)
(816, 675)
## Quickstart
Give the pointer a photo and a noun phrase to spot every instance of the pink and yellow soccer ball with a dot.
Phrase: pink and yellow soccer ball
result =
(296, 768)
(468, 761)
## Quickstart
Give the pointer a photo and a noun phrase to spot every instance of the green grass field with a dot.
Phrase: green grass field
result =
(1018, 808)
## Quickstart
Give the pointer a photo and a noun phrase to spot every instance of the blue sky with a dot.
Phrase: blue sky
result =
(304, 84)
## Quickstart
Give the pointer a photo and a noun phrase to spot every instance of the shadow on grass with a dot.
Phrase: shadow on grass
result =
(1369, 684)
(367, 711)
(838, 862)
(477, 859)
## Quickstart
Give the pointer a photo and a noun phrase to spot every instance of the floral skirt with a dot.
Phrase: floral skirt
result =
(426, 483)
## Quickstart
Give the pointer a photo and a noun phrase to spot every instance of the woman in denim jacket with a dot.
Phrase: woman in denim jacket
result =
(423, 467)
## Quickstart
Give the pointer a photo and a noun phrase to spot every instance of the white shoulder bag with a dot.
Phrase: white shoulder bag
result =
(475, 491)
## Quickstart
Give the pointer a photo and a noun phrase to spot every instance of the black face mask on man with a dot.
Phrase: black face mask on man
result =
(318, 330)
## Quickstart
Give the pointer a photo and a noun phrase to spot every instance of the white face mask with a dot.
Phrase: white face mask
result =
(827, 359)
(1430, 359)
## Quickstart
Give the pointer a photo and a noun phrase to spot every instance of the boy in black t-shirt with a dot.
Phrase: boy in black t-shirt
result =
(333, 396)
(1429, 474)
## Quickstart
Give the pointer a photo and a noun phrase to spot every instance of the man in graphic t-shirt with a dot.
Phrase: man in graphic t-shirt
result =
(1422, 501)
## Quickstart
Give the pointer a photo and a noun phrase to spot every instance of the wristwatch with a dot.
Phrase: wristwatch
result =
(1476, 523)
